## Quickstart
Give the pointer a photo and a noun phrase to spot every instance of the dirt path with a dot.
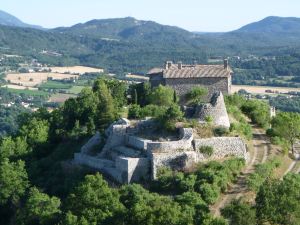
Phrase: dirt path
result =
(260, 155)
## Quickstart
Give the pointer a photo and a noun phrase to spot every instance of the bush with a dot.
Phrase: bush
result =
(134, 112)
(162, 96)
(172, 115)
(195, 96)
(220, 131)
(207, 150)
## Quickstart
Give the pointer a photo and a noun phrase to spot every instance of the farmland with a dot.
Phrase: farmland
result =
(76, 70)
(34, 79)
(263, 89)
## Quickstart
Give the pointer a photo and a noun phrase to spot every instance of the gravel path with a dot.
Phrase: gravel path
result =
(260, 155)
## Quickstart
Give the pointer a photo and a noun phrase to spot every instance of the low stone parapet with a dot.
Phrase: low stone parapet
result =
(185, 143)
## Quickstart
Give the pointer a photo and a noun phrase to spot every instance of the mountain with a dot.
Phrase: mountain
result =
(130, 45)
(273, 24)
(124, 28)
(7, 19)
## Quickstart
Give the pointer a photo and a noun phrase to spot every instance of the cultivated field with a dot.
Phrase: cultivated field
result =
(137, 77)
(60, 98)
(262, 89)
(18, 87)
(34, 79)
(76, 70)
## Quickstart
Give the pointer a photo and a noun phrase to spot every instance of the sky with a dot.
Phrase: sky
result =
(192, 15)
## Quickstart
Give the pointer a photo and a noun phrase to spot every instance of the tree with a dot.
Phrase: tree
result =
(94, 200)
(277, 202)
(152, 209)
(10, 148)
(195, 96)
(106, 112)
(162, 96)
(287, 125)
(36, 131)
(39, 208)
(239, 213)
(13, 181)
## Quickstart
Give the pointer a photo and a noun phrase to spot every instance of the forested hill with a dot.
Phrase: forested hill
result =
(131, 45)
(126, 28)
(273, 24)
(10, 20)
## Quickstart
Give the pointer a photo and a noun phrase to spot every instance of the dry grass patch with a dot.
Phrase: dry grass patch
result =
(34, 79)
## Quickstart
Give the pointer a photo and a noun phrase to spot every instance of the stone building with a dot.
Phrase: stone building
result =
(182, 77)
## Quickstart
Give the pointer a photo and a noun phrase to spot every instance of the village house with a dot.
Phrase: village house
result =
(182, 78)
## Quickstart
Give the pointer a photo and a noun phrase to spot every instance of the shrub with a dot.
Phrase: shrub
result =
(220, 131)
(172, 115)
(162, 95)
(195, 96)
(207, 150)
(134, 112)
(152, 111)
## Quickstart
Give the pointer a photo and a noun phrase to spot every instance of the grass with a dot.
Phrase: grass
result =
(75, 89)
(55, 85)
(27, 92)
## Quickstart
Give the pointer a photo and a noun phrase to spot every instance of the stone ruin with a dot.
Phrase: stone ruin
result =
(126, 157)
(216, 109)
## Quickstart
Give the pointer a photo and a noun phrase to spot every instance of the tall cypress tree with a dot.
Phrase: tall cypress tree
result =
(106, 108)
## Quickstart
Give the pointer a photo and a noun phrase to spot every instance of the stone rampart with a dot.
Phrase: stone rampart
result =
(185, 143)
(222, 147)
(173, 160)
(92, 162)
(133, 169)
(95, 140)
(136, 142)
(216, 109)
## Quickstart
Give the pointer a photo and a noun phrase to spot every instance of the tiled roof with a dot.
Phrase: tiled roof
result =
(193, 71)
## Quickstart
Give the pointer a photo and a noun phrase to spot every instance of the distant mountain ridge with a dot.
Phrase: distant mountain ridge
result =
(7, 19)
(122, 28)
(130, 45)
(273, 24)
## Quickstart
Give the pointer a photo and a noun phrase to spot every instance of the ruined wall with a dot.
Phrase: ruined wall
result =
(215, 109)
(92, 162)
(95, 140)
(133, 169)
(213, 84)
(223, 147)
(173, 160)
(185, 143)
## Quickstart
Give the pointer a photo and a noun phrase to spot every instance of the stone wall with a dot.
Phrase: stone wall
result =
(185, 143)
(222, 147)
(215, 109)
(183, 85)
(173, 160)
(92, 162)
(136, 142)
(133, 169)
(95, 140)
